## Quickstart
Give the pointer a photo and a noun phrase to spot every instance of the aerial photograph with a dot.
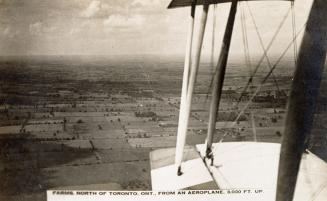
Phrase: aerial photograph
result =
(141, 95)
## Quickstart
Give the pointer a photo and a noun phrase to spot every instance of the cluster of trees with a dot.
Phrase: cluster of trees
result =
(145, 114)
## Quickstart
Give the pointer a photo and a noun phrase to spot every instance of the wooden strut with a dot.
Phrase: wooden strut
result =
(219, 78)
(185, 110)
(187, 62)
(302, 100)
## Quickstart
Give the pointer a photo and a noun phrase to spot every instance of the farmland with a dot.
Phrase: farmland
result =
(88, 122)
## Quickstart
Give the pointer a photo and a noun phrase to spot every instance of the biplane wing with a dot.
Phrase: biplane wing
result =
(237, 165)
(163, 168)
(287, 170)
(184, 3)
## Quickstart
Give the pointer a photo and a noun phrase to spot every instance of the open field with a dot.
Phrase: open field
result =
(80, 122)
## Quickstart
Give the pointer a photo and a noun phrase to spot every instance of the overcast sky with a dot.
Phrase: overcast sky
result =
(96, 27)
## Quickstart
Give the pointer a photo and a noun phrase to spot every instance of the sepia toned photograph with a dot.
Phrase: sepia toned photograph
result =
(160, 96)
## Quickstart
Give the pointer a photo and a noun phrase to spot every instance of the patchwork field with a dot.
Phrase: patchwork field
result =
(92, 124)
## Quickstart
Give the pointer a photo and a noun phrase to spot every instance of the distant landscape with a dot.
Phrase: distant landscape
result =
(89, 122)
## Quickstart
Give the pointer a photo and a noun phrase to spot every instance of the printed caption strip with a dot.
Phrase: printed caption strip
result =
(187, 195)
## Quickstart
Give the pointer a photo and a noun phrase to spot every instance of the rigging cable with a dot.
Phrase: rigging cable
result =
(263, 56)
(262, 45)
(147, 76)
(257, 66)
(247, 57)
(260, 60)
(254, 71)
(213, 37)
(262, 82)
(249, 82)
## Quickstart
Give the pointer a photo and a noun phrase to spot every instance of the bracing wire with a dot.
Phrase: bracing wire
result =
(255, 69)
(247, 57)
(262, 45)
(258, 64)
(262, 83)
(147, 76)
(247, 61)
(253, 127)
(249, 82)
(213, 37)
(244, 36)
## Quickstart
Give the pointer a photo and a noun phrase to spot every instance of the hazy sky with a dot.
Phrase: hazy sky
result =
(93, 27)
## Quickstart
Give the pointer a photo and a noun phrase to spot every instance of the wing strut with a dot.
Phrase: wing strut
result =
(189, 79)
(187, 62)
(219, 77)
(302, 101)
